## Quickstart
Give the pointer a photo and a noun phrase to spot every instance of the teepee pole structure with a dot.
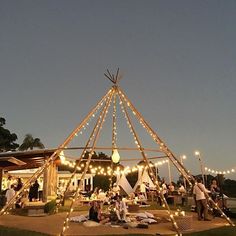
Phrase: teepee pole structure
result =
(170, 154)
(139, 145)
(98, 129)
(114, 133)
(51, 158)
(157, 139)
(62, 199)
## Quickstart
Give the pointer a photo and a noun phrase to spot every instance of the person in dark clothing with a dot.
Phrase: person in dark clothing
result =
(95, 213)
(19, 185)
(33, 192)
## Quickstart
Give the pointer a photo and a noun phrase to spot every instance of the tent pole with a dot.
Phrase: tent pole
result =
(98, 128)
(148, 165)
(62, 200)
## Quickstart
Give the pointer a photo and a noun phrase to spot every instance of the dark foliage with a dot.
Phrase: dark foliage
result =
(7, 139)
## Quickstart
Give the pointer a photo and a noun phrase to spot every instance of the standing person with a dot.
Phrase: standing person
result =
(164, 188)
(19, 184)
(200, 192)
(40, 190)
(182, 191)
(9, 182)
(143, 190)
(10, 193)
(35, 193)
(171, 188)
(31, 193)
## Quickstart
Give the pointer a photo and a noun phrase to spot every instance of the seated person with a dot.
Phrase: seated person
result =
(215, 190)
(94, 195)
(116, 190)
(121, 209)
(95, 213)
(101, 195)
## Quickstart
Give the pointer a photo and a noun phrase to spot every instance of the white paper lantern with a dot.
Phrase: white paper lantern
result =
(115, 156)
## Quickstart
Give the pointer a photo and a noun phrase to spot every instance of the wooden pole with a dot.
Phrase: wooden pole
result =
(148, 165)
(169, 172)
(98, 129)
(62, 199)
(157, 139)
(1, 175)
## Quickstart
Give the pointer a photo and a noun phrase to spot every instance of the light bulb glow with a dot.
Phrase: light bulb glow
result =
(115, 156)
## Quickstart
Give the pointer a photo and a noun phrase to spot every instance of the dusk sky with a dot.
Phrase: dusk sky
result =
(177, 59)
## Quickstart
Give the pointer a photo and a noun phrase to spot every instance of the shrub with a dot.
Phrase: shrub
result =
(50, 207)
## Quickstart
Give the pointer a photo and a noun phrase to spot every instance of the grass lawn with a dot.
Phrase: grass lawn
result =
(153, 206)
(225, 231)
(5, 231)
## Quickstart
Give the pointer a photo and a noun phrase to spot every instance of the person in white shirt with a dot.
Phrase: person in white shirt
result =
(200, 192)
(116, 190)
(182, 191)
(10, 193)
(164, 189)
(143, 190)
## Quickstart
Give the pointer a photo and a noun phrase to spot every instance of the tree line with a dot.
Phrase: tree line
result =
(8, 140)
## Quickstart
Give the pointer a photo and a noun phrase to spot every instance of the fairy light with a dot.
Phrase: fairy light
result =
(228, 171)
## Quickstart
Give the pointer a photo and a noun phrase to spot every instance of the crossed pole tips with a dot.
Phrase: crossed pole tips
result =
(114, 78)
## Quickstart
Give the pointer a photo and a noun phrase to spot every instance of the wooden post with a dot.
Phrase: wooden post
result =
(45, 185)
(1, 175)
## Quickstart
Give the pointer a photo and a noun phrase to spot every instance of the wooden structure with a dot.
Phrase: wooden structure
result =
(23, 160)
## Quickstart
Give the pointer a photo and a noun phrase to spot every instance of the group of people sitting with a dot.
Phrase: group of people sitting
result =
(117, 211)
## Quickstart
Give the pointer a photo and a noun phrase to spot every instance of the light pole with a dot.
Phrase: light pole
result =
(197, 154)
(170, 179)
(182, 158)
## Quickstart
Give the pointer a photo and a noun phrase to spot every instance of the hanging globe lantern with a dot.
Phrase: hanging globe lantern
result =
(115, 156)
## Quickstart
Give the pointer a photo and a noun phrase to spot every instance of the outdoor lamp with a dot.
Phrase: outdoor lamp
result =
(115, 156)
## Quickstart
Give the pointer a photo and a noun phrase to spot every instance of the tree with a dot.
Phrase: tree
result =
(7, 139)
(30, 143)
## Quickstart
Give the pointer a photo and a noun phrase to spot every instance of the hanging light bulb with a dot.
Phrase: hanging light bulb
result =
(115, 156)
